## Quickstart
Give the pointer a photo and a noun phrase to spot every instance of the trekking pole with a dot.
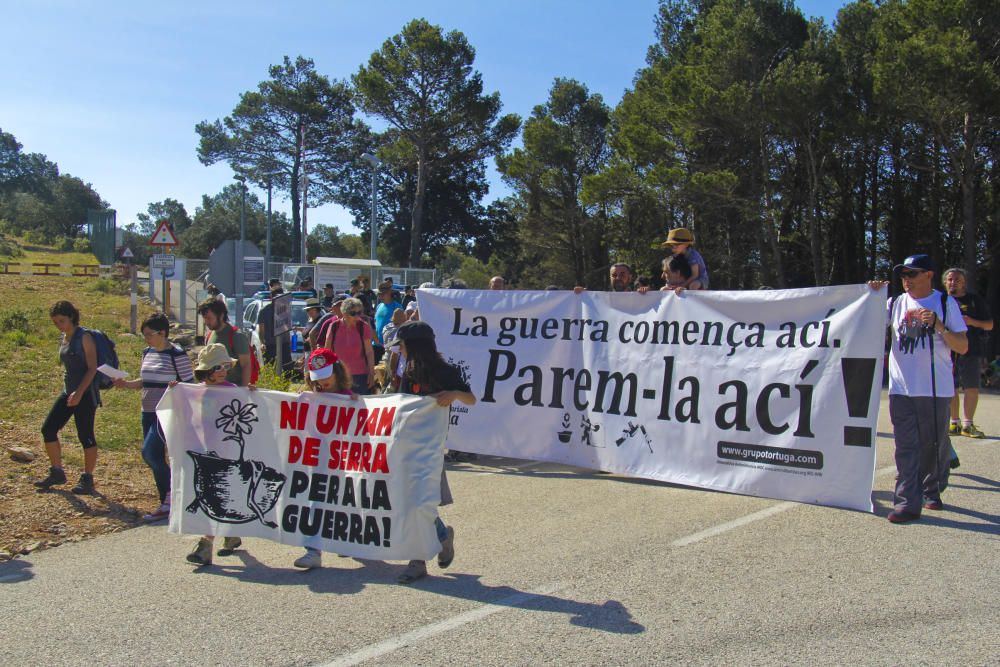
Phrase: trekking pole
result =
(934, 428)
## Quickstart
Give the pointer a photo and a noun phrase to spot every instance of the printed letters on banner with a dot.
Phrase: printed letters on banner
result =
(769, 393)
(357, 477)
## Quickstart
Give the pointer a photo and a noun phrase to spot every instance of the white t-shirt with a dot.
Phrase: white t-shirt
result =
(910, 354)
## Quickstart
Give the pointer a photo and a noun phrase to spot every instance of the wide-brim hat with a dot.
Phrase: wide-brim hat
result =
(677, 236)
(313, 303)
(213, 355)
(919, 262)
(412, 330)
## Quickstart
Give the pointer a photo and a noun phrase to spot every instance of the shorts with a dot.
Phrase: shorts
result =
(966, 369)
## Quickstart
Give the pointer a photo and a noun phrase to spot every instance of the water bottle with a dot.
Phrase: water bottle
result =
(295, 341)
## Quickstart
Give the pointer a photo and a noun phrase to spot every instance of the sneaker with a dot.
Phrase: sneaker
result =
(85, 487)
(955, 429)
(417, 569)
(955, 463)
(56, 476)
(160, 513)
(229, 545)
(312, 558)
(970, 431)
(447, 553)
(899, 516)
(202, 553)
(933, 505)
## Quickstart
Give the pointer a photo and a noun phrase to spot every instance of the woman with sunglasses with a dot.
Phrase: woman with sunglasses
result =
(351, 338)
(163, 364)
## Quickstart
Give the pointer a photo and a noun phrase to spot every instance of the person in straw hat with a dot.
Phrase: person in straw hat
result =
(679, 241)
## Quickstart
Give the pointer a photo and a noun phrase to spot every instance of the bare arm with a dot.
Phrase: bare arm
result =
(445, 398)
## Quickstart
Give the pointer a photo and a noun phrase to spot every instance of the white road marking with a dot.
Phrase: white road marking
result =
(514, 601)
(395, 643)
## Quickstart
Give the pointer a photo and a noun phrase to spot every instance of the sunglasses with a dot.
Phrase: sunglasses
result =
(222, 367)
(352, 313)
(909, 274)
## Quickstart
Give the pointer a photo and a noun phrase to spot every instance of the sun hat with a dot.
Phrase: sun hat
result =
(411, 306)
(213, 355)
(677, 236)
(320, 364)
(426, 285)
(312, 302)
(412, 330)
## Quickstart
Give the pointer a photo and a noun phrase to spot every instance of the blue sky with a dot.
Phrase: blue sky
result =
(111, 91)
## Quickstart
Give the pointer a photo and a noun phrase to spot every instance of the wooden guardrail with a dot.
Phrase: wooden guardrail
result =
(43, 269)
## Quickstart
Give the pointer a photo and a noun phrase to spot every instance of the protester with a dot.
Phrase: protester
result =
(383, 314)
(163, 364)
(926, 326)
(676, 273)
(237, 345)
(497, 283)
(328, 295)
(215, 293)
(79, 399)
(408, 296)
(621, 275)
(212, 368)
(306, 285)
(326, 374)
(679, 241)
(428, 374)
(399, 316)
(314, 312)
(317, 334)
(968, 366)
(351, 338)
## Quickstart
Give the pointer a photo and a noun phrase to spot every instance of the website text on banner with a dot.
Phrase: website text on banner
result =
(358, 477)
(769, 393)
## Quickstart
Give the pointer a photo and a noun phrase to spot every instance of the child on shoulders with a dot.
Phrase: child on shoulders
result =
(679, 241)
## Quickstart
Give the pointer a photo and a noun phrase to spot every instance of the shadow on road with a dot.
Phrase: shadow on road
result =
(986, 481)
(15, 571)
(612, 616)
(942, 519)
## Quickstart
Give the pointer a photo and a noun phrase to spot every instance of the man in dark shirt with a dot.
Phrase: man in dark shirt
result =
(968, 367)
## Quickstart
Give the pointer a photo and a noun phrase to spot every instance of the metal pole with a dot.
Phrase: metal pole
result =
(239, 254)
(305, 207)
(267, 251)
(374, 233)
(133, 314)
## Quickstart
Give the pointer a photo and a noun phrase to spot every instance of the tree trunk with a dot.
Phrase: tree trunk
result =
(417, 214)
(968, 176)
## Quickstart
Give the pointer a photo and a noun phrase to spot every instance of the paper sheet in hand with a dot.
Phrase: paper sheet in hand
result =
(112, 372)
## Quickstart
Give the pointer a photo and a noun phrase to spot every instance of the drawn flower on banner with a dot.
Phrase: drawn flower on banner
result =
(235, 420)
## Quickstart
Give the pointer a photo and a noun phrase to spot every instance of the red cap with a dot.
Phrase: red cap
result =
(320, 364)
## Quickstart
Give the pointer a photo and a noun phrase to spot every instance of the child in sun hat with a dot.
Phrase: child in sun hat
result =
(326, 374)
(210, 370)
(679, 241)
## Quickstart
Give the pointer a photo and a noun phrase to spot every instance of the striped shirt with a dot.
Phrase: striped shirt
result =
(160, 367)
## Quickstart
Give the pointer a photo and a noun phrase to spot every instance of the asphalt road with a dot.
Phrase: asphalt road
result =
(554, 566)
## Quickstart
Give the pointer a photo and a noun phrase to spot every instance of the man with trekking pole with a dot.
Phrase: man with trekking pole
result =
(926, 326)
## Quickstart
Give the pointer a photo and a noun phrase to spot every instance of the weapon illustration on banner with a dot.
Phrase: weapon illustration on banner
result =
(235, 490)
(630, 432)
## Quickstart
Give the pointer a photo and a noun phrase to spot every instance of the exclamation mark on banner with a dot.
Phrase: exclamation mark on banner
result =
(386, 530)
(858, 377)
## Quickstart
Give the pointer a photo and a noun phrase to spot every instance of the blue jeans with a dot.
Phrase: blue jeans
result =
(154, 453)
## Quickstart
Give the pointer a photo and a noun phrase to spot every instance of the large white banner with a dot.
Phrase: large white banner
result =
(357, 477)
(766, 393)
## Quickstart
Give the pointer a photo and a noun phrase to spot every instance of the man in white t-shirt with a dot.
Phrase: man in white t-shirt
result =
(926, 327)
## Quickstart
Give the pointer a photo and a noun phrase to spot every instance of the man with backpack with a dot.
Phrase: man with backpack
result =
(926, 327)
(216, 318)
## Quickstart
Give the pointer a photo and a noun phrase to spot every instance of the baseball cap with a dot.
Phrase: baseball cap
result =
(917, 262)
(412, 330)
(320, 364)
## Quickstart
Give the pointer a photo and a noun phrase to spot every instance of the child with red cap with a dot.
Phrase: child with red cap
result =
(327, 374)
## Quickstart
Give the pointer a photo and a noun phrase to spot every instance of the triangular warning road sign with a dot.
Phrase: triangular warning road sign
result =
(163, 235)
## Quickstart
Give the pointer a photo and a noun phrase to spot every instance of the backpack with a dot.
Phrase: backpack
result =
(106, 354)
(254, 364)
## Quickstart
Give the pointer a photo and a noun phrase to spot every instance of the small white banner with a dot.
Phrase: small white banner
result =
(356, 477)
(767, 393)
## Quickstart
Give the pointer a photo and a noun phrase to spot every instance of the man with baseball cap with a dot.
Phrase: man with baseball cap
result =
(926, 328)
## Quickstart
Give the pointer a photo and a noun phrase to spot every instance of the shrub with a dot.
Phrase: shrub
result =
(17, 338)
(110, 286)
(81, 244)
(14, 320)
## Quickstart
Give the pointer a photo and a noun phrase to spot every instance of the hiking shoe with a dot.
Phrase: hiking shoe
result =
(417, 569)
(56, 476)
(312, 558)
(955, 463)
(899, 516)
(202, 553)
(955, 429)
(933, 505)
(85, 487)
(160, 513)
(970, 431)
(229, 545)
(447, 553)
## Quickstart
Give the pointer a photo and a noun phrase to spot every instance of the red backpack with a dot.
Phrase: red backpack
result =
(254, 364)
